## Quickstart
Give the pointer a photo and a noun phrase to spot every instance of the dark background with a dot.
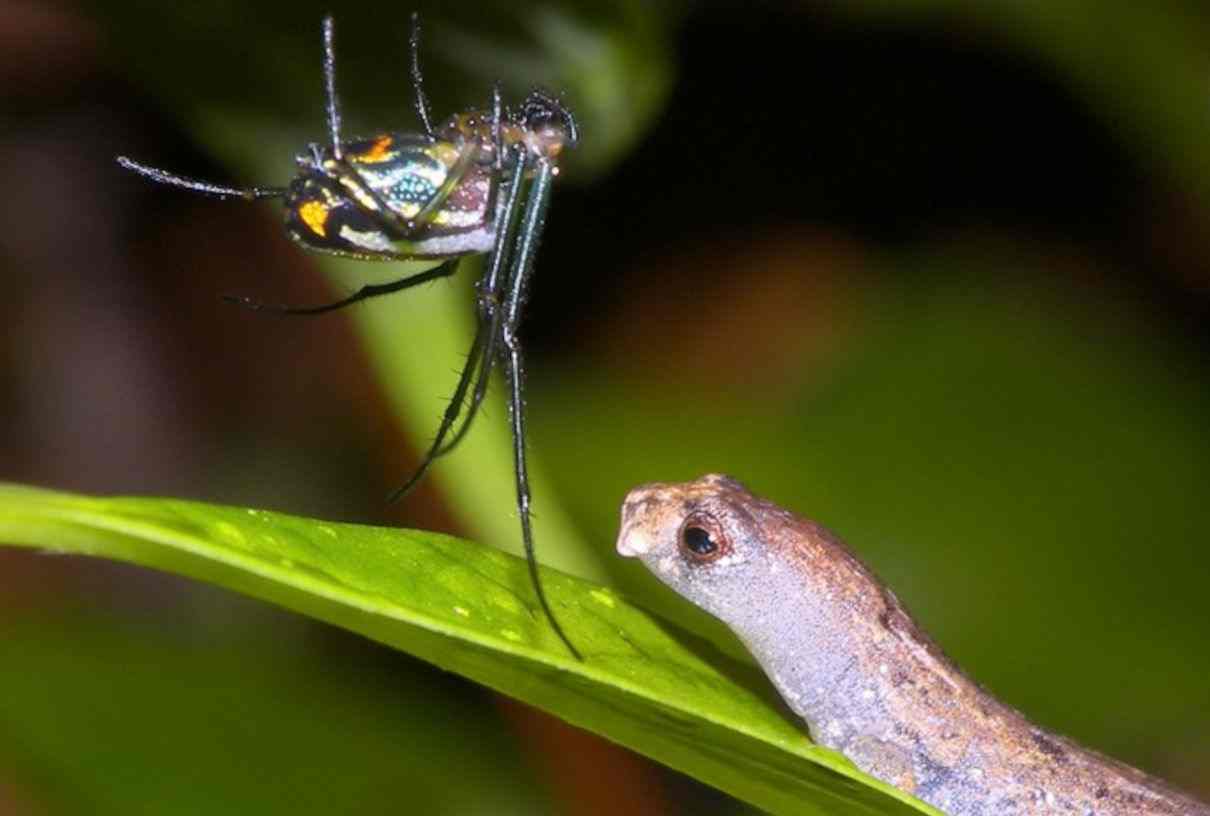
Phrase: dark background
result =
(935, 274)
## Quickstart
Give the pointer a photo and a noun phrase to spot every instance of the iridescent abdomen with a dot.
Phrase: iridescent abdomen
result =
(395, 195)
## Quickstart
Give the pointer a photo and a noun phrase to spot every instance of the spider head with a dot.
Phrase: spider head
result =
(547, 126)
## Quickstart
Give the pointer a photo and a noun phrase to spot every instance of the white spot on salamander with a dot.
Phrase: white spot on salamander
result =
(633, 543)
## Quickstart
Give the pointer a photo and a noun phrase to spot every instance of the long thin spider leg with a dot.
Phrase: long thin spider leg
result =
(490, 296)
(483, 352)
(364, 293)
(206, 188)
(474, 361)
(330, 100)
(498, 125)
(528, 237)
(491, 354)
(489, 307)
(421, 98)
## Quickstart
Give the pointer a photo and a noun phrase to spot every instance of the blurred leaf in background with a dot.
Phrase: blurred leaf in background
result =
(119, 714)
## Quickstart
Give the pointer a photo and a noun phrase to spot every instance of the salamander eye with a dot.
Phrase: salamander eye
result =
(702, 539)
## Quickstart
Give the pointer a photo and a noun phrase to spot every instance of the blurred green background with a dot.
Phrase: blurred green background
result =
(936, 274)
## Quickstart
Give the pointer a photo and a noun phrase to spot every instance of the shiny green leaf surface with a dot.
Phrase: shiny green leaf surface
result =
(469, 609)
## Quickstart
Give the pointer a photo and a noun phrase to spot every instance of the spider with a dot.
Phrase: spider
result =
(479, 183)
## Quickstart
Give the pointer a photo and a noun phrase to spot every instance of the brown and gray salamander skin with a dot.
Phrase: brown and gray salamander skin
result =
(850, 661)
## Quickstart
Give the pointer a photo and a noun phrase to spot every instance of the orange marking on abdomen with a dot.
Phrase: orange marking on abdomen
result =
(379, 151)
(315, 215)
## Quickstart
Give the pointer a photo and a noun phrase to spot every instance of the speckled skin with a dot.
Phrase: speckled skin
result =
(848, 658)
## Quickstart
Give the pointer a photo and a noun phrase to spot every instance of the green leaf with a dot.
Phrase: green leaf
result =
(469, 609)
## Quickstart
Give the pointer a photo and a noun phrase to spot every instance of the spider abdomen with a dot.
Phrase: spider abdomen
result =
(394, 195)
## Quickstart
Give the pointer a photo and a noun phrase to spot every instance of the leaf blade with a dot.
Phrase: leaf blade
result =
(469, 610)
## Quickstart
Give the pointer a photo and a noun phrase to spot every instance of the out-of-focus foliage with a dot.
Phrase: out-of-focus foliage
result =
(106, 715)
(1142, 68)
(808, 244)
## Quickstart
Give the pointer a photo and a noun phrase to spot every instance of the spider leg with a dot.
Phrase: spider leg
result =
(482, 357)
(474, 362)
(330, 101)
(490, 312)
(532, 223)
(421, 98)
(491, 291)
(204, 187)
(491, 355)
(364, 293)
(498, 125)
